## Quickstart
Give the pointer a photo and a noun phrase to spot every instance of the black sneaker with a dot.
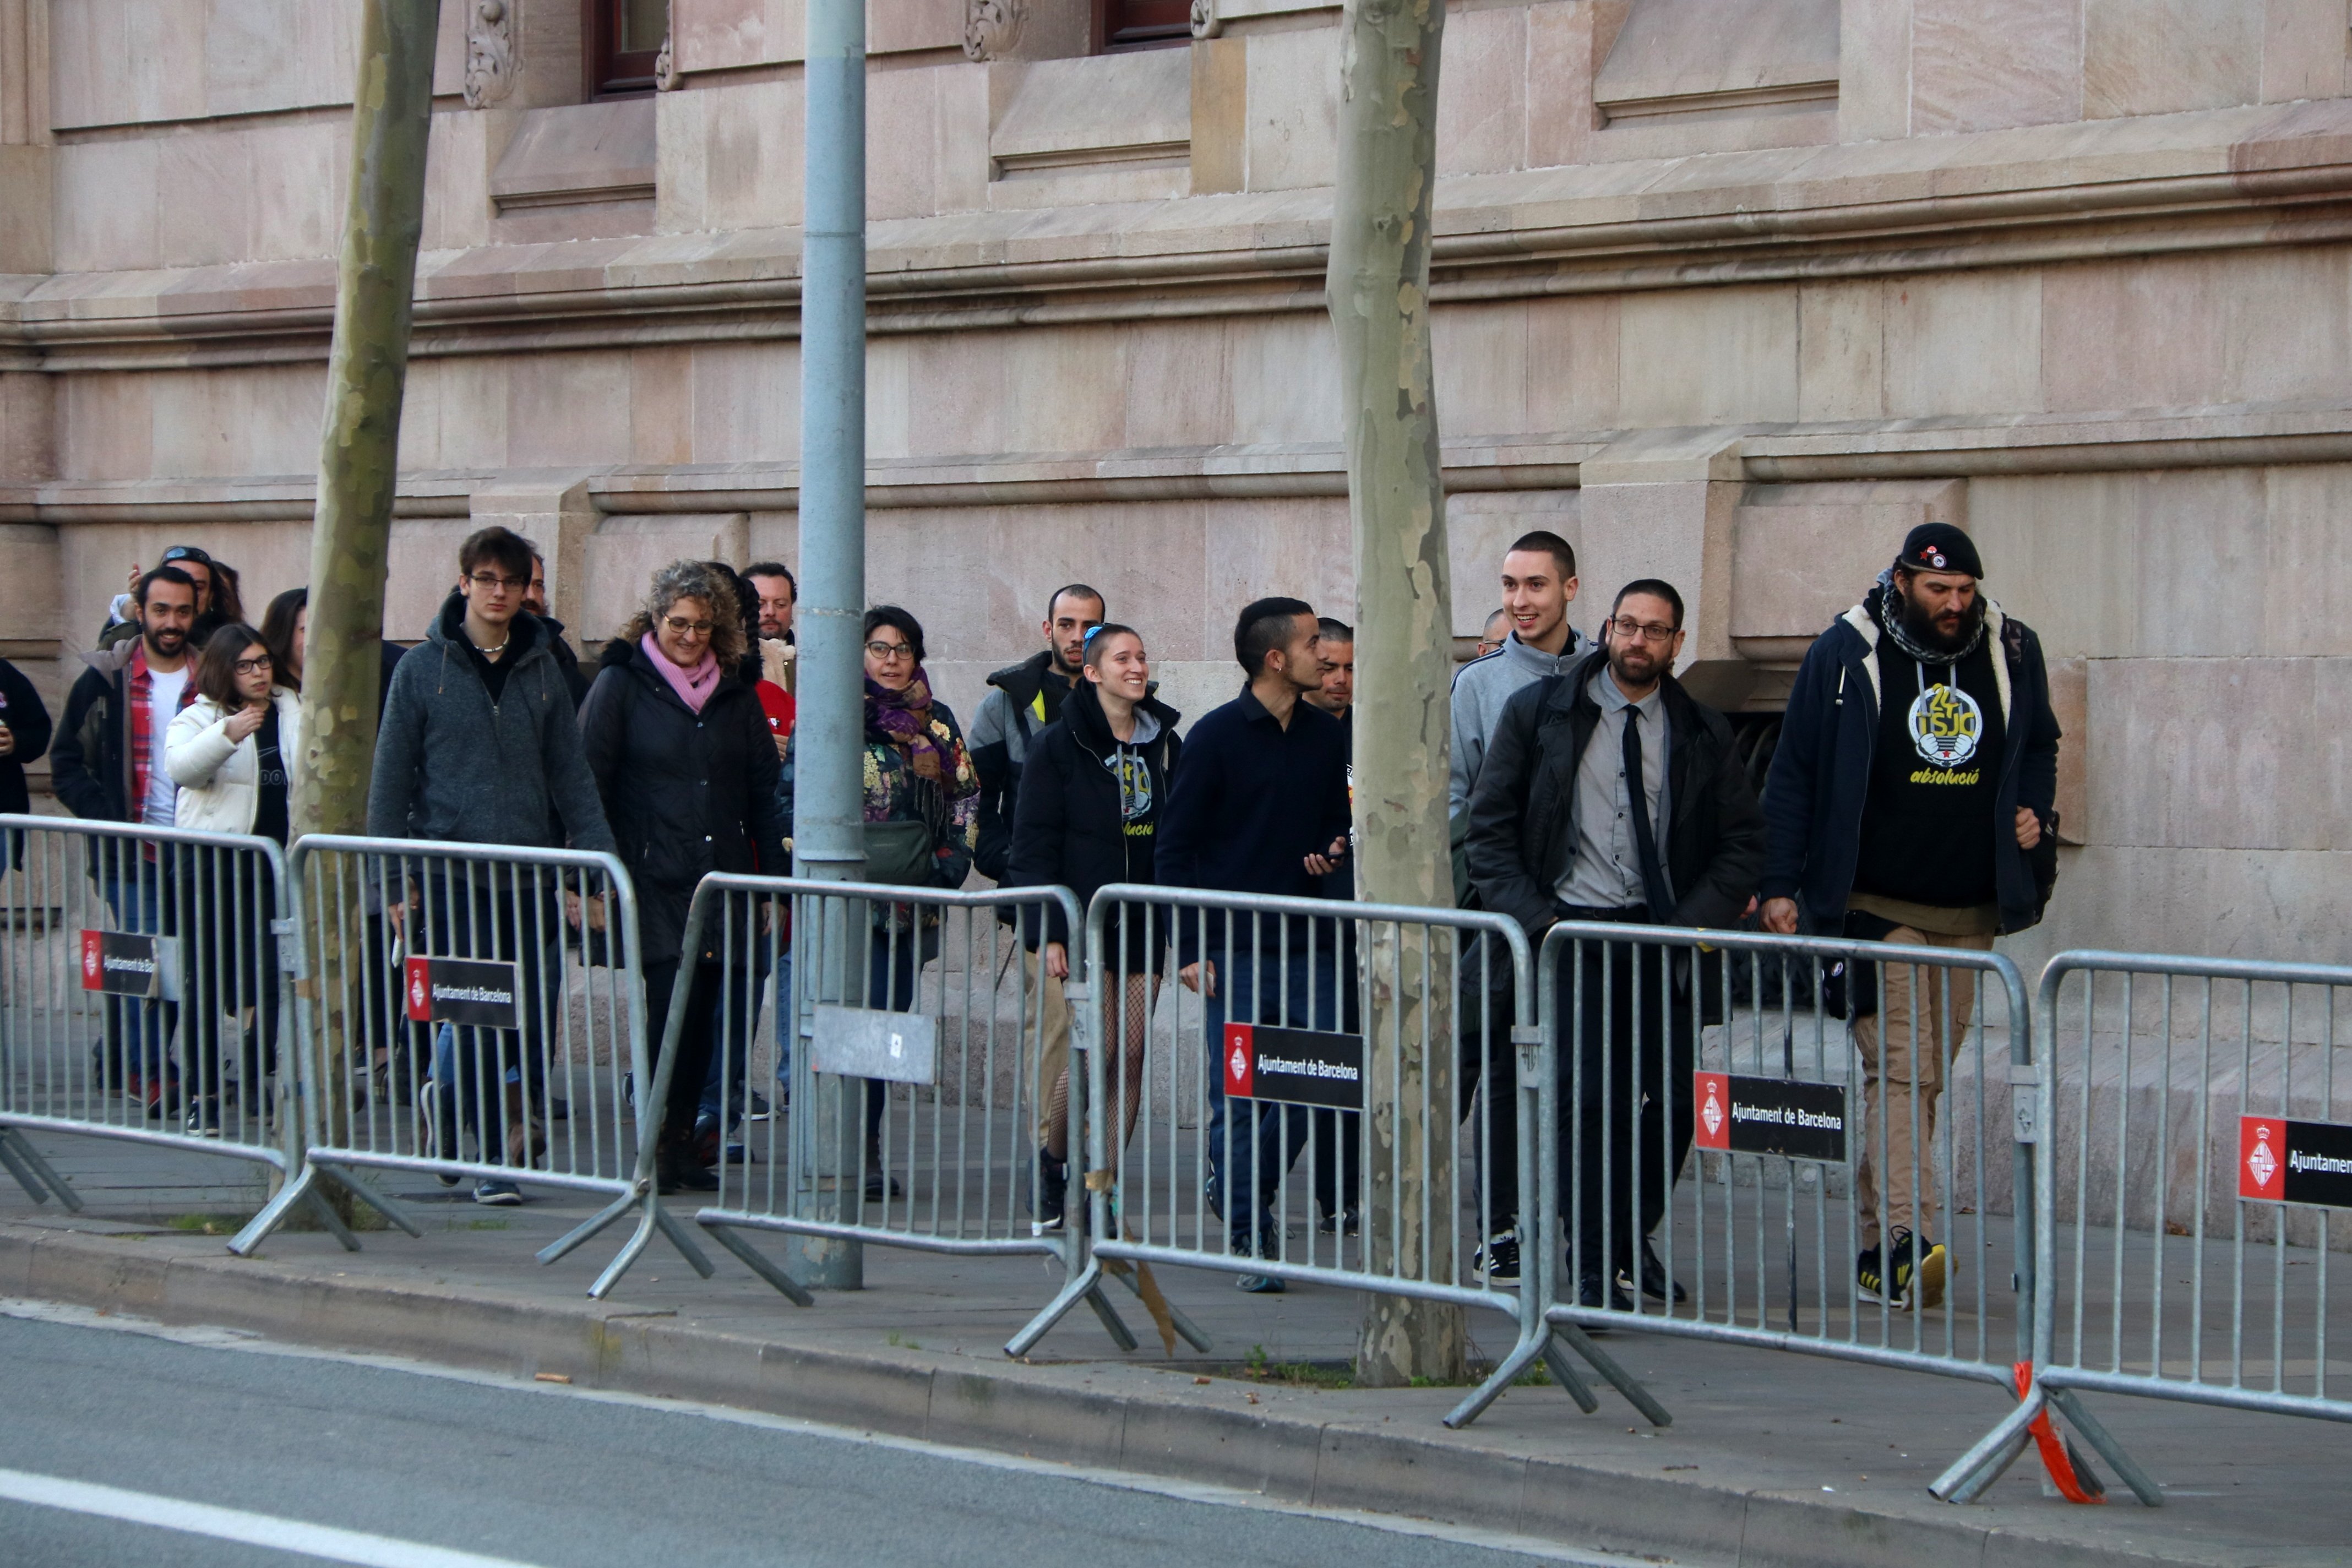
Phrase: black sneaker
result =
(1653, 1277)
(1497, 1262)
(1053, 1186)
(1269, 1244)
(1349, 1222)
(1213, 1196)
(203, 1118)
(1909, 1265)
(1589, 1293)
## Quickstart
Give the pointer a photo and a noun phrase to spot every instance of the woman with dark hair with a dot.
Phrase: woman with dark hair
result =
(231, 751)
(922, 821)
(681, 756)
(1088, 812)
(285, 631)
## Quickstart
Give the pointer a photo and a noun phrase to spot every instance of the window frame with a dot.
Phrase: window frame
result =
(607, 70)
(1109, 19)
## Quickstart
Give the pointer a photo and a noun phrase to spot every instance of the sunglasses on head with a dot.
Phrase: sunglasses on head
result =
(186, 553)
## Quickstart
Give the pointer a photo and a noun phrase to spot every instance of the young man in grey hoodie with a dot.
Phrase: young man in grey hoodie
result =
(479, 744)
(1538, 584)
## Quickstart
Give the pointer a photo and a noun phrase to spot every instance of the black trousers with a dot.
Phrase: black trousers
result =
(1483, 1054)
(230, 959)
(491, 914)
(1625, 1101)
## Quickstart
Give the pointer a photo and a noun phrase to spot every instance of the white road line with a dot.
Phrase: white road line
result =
(318, 1540)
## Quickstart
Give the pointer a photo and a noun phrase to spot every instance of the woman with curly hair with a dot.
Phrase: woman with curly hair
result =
(681, 756)
(922, 821)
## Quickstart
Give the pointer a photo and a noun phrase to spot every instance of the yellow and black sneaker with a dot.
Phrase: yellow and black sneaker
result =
(1909, 1267)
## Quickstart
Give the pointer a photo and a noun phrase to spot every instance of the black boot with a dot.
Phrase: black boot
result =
(675, 1168)
(1053, 1184)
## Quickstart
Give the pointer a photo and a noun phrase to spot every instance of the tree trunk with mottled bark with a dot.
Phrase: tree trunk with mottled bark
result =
(1379, 291)
(367, 370)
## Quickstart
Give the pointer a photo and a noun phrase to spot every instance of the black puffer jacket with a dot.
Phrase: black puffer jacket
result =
(1069, 826)
(687, 794)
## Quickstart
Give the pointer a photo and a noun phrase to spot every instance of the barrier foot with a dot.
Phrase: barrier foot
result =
(588, 1227)
(1192, 1333)
(1982, 1465)
(1086, 1286)
(758, 1262)
(34, 1173)
(2143, 1485)
(1523, 1355)
(364, 1191)
(1618, 1378)
(1564, 1372)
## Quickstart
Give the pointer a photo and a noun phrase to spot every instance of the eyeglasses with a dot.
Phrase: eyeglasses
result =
(490, 582)
(1636, 631)
(679, 628)
(890, 649)
(253, 665)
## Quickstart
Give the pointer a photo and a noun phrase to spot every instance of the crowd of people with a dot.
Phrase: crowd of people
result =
(1910, 799)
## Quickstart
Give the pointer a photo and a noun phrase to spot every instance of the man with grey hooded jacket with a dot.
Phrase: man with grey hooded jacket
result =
(481, 744)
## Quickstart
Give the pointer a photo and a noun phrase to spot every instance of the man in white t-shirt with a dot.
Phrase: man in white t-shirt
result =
(124, 703)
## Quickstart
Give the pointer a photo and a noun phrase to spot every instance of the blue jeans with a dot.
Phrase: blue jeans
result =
(734, 1020)
(137, 1028)
(1265, 1138)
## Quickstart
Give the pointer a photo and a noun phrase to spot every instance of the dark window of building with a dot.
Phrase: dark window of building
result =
(1142, 23)
(625, 37)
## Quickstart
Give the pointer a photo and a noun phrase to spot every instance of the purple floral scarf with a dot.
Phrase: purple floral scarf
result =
(903, 719)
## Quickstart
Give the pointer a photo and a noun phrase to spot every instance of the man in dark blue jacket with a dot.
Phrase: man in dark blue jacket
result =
(1912, 800)
(1259, 805)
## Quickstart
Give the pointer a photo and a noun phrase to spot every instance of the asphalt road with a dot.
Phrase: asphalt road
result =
(123, 1447)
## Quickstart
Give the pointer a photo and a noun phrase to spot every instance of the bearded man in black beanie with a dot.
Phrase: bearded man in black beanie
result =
(1912, 800)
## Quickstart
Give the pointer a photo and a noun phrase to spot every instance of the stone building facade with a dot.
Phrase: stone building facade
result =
(1731, 292)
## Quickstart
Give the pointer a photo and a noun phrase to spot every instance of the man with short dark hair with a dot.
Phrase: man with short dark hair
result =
(1538, 584)
(1259, 805)
(1494, 634)
(779, 594)
(106, 764)
(1611, 794)
(1536, 642)
(481, 744)
(1022, 699)
(1336, 645)
(1913, 799)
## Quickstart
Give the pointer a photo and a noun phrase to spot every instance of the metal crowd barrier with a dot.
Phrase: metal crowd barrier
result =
(1703, 1129)
(924, 1046)
(1322, 1026)
(2201, 1138)
(143, 996)
(475, 1012)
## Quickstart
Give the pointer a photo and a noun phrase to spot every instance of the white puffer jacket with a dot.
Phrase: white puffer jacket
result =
(219, 779)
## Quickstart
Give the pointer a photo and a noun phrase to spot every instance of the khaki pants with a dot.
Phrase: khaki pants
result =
(1054, 1034)
(1907, 1051)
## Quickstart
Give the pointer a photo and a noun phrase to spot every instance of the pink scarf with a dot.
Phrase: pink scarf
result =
(693, 684)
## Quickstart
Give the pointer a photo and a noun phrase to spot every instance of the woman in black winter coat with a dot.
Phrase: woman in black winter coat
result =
(24, 736)
(681, 756)
(1091, 795)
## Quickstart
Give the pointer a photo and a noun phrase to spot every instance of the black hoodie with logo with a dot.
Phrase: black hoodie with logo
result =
(1089, 807)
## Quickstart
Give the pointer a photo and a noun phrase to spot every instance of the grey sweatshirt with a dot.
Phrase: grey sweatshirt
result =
(1480, 690)
(453, 765)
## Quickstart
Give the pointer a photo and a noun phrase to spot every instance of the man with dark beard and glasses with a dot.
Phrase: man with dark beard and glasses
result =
(1912, 800)
(1610, 793)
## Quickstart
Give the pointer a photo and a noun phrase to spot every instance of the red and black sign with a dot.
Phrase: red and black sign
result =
(486, 993)
(2284, 1162)
(1298, 1066)
(123, 964)
(1769, 1116)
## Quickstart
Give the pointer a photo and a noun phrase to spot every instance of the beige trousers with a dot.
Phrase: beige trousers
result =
(1907, 1053)
(1053, 1050)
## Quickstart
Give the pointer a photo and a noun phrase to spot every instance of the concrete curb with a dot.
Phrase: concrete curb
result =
(1139, 1420)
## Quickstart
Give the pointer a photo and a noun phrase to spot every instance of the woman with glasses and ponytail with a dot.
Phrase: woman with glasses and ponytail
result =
(1088, 814)
(232, 754)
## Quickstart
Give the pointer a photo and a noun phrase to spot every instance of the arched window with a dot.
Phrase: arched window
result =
(625, 37)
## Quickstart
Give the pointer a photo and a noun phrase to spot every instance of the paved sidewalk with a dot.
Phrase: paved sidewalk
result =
(1772, 1458)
